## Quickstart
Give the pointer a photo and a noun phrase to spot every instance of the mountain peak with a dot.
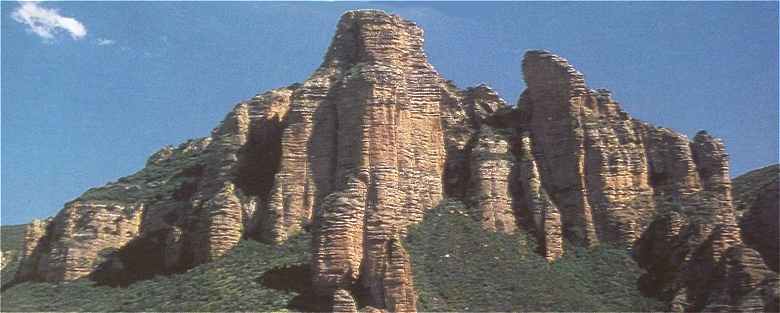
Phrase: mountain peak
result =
(542, 67)
(376, 139)
(374, 36)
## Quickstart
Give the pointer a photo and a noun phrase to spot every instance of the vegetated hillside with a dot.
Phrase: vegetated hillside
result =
(236, 282)
(459, 267)
(11, 240)
(12, 237)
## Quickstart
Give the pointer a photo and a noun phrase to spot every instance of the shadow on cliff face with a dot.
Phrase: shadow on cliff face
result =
(296, 278)
(259, 158)
(258, 164)
(28, 270)
(142, 258)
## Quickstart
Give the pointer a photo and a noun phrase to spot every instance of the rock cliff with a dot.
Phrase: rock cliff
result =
(375, 137)
(756, 194)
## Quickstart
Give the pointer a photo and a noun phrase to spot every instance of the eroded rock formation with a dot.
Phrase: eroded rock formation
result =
(758, 196)
(372, 139)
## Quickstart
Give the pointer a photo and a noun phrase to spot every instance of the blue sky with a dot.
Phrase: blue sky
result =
(82, 107)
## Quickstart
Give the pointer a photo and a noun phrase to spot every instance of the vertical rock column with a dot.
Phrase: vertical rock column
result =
(403, 149)
(491, 166)
(673, 174)
(31, 250)
(544, 215)
(338, 244)
(712, 165)
(307, 158)
(218, 210)
(555, 97)
(222, 210)
(616, 170)
(388, 144)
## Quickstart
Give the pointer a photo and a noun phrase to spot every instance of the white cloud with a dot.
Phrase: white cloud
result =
(105, 42)
(47, 22)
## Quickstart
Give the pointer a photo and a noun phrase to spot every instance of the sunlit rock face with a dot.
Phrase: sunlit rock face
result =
(372, 139)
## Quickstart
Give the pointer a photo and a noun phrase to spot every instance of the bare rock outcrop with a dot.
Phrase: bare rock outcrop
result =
(373, 138)
(90, 229)
(74, 242)
(355, 154)
(6, 258)
(747, 187)
(34, 241)
(492, 165)
(702, 260)
(619, 180)
(343, 302)
(394, 125)
(741, 283)
(541, 213)
(606, 174)
(758, 198)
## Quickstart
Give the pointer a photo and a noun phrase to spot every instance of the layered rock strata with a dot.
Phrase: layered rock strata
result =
(604, 174)
(92, 228)
(372, 139)
(394, 115)
(761, 213)
(592, 174)
(355, 154)
(76, 239)
(31, 248)
(541, 212)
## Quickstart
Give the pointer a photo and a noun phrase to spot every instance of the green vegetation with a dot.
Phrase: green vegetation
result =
(12, 237)
(459, 267)
(231, 283)
(168, 172)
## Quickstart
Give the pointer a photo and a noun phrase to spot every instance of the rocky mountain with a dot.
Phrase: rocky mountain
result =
(375, 139)
(756, 193)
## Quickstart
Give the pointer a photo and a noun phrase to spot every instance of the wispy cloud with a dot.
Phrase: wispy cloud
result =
(105, 42)
(46, 23)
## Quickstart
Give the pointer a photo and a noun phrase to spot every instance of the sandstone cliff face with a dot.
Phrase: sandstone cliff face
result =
(606, 175)
(702, 265)
(33, 242)
(90, 229)
(354, 154)
(592, 174)
(373, 138)
(757, 194)
(78, 235)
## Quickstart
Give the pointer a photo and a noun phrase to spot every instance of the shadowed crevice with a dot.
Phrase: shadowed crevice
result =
(296, 278)
(141, 259)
